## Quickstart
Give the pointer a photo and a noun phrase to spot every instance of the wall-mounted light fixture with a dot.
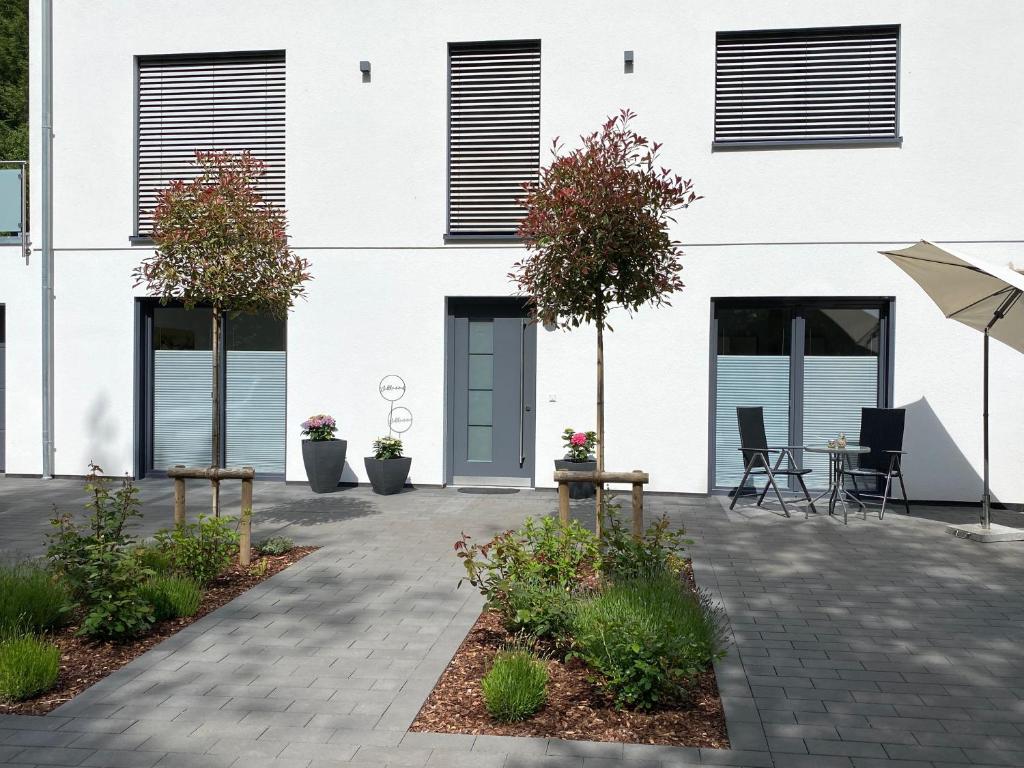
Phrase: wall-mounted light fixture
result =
(627, 61)
(364, 67)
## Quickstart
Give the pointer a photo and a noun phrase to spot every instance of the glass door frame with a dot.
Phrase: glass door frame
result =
(143, 428)
(886, 306)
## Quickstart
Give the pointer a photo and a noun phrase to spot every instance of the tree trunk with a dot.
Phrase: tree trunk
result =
(217, 345)
(599, 494)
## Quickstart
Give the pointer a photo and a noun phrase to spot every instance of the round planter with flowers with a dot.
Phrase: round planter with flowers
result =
(322, 453)
(579, 457)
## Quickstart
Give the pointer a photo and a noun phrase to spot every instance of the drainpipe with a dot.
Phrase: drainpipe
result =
(46, 188)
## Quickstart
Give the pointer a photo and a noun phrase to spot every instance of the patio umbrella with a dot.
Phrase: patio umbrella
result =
(983, 296)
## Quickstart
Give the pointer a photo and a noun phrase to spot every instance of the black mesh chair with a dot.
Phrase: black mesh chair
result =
(755, 449)
(881, 430)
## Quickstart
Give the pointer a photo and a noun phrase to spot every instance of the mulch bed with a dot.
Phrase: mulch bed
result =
(84, 662)
(576, 707)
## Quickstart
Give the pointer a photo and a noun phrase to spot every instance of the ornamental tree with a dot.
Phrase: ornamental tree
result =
(597, 232)
(219, 244)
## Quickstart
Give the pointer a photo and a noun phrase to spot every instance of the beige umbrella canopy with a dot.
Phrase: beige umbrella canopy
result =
(971, 291)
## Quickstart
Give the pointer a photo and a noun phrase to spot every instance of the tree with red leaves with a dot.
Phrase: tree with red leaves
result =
(597, 230)
(218, 243)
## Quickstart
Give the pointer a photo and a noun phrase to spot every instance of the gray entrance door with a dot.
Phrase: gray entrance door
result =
(492, 367)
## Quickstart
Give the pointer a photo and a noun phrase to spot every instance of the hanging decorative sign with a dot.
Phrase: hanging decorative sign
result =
(392, 389)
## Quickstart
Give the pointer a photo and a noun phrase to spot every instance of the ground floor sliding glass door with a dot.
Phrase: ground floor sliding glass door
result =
(811, 364)
(175, 381)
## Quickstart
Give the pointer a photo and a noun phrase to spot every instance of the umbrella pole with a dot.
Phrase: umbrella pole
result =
(985, 497)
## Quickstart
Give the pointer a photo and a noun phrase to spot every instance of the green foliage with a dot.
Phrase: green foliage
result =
(597, 228)
(172, 597)
(98, 564)
(625, 557)
(201, 550)
(539, 609)
(31, 599)
(387, 448)
(579, 446)
(516, 686)
(13, 79)
(648, 639)
(276, 545)
(152, 558)
(218, 242)
(28, 666)
(542, 554)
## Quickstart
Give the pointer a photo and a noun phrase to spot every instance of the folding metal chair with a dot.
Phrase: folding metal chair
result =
(881, 430)
(755, 449)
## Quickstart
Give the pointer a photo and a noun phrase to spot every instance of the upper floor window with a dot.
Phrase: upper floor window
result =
(493, 135)
(222, 101)
(807, 86)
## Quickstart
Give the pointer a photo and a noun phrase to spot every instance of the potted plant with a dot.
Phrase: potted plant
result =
(387, 468)
(579, 457)
(322, 453)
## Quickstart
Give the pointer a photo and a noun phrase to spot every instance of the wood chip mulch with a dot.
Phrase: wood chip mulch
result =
(84, 662)
(576, 707)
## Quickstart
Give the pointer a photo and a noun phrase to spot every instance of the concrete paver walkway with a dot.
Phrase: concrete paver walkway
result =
(878, 643)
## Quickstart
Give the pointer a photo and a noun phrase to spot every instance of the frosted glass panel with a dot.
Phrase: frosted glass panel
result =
(835, 389)
(481, 337)
(479, 448)
(748, 380)
(182, 432)
(481, 371)
(480, 408)
(255, 410)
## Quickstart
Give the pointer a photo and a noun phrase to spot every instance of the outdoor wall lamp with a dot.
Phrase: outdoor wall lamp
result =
(627, 61)
(364, 67)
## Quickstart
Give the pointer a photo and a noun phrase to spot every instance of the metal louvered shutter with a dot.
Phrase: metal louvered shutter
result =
(806, 85)
(493, 134)
(226, 102)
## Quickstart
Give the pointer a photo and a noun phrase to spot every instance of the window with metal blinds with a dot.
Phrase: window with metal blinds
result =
(493, 134)
(227, 102)
(807, 85)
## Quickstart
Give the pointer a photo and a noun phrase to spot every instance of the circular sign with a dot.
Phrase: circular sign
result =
(392, 387)
(400, 420)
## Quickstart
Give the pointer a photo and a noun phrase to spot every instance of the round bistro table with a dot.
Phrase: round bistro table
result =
(836, 490)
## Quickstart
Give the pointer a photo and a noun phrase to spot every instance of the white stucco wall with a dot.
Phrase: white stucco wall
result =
(366, 198)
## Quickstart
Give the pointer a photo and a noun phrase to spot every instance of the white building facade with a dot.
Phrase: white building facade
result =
(396, 181)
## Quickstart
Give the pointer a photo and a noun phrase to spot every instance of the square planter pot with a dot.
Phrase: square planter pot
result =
(578, 490)
(324, 461)
(388, 476)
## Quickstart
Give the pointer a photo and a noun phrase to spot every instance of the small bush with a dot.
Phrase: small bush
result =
(539, 609)
(172, 597)
(648, 639)
(624, 557)
(153, 558)
(201, 550)
(28, 666)
(31, 600)
(516, 686)
(276, 545)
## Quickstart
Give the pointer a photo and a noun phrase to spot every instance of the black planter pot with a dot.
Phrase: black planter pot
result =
(578, 490)
(388, 476)
(324, 460)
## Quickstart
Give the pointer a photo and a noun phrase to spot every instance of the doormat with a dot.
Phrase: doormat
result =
(488, 491)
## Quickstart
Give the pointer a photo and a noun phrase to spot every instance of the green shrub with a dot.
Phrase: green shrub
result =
(31, 599)
(276, 545)
(201, 550)
(539, 609)
(624, 557)
(153, 558)
(28, 666)
(541, 553)
(172, 597)
(516, 686)
(648, 638)
(97, 561)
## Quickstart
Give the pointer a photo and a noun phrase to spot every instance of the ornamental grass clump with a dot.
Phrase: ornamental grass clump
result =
(32, 599)
(172, 597)
(516, 686)
(275, 545)
(28, 666)
(648, 638)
